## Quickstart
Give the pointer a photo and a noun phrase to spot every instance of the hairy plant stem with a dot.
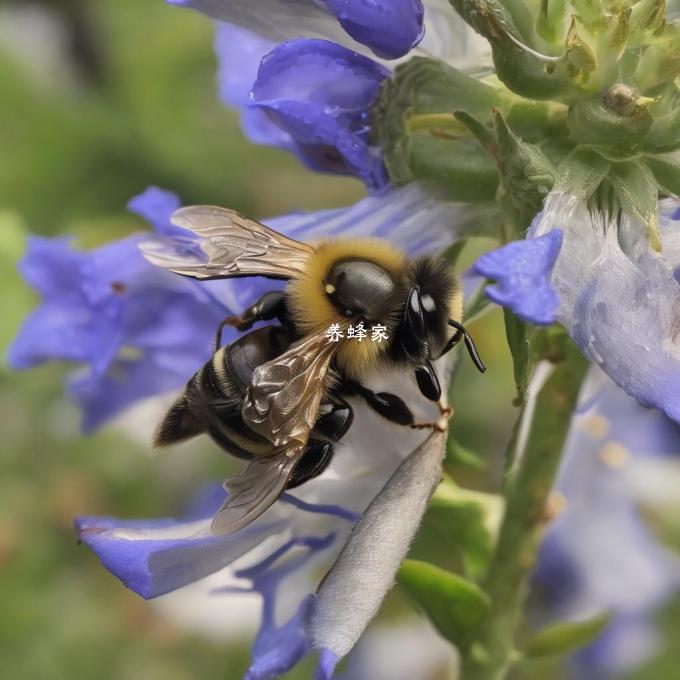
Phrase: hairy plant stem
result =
(527, 513)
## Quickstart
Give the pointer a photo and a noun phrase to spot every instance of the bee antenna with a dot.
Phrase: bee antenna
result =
(469, 344)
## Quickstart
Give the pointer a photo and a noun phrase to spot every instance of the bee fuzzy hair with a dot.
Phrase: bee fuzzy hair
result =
(313, 310)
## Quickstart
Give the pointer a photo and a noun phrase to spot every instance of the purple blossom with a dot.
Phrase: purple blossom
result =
(305, 532)
(599, 555)
(522, 270)
(136, 330)
(239, 53)
(389, 28)
(319, 94)
(139, 331)
(158, 556)
(617, 298)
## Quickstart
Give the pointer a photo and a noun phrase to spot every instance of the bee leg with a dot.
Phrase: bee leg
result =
(332, 426)
(271, 305)
(385, 404)
(445, 411)
(428, 382)
(328, 429)
(392, 407)
(440, 425)
(314, 461)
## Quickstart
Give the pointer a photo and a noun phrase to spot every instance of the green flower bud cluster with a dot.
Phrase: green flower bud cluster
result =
(572, 80)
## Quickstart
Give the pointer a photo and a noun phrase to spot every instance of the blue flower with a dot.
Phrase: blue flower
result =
(390, 28)
(140, 331)
(244, 38)
(598, 554)
(522, 270)
(304, 533)
(239, 53)
(281, 555)
(617, 298)
(319, 94)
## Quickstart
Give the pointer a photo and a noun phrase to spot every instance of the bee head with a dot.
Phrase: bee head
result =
(361, 289)
(433, 298)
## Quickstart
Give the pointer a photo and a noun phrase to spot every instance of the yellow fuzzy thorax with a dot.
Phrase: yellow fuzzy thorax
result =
(314, 312)
(456, 302)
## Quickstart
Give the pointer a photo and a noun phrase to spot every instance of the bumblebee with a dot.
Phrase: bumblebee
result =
(276, 396)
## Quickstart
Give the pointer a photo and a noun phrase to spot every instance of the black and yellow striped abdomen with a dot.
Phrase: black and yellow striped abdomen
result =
(213, 398)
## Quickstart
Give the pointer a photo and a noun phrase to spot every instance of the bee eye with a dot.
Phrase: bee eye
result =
(359, 287)
(427, 301)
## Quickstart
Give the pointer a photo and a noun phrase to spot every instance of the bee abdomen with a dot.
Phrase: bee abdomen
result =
(207, 397)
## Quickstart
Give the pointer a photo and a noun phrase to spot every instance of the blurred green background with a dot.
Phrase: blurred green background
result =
(98, 100)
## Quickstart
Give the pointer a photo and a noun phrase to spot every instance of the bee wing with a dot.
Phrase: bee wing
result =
(230, 245)
(282, 405)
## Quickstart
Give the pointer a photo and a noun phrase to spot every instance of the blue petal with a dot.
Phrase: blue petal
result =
(163, 338)
(112, 272)
(282, 647)
(52, 267)
(320, 94)
(624, 645)
(54, 331)
(522, 270)
(411, 217)
(328, 662)
(278, 648)
(140, 330)
(153, 557)
(126, 381)
(239, 53)
(389, 27)
(156, 207)
(68, 325)
(322, 508)
(618, 298)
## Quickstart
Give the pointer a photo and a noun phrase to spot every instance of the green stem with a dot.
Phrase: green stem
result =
(526, 515)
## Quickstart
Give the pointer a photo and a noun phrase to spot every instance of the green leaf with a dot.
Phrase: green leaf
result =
(551, 17)
(592, 123)
(455, 606)
(465, 521)
(490, 18)
(565, 637)
(579, 56)
(666, 171)
(478, 130)
(519, 336)
(528, 175)
(505, 24)
(664, 134)
(582, 172)
(460, 167)
(527, 76)
(636, 189)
